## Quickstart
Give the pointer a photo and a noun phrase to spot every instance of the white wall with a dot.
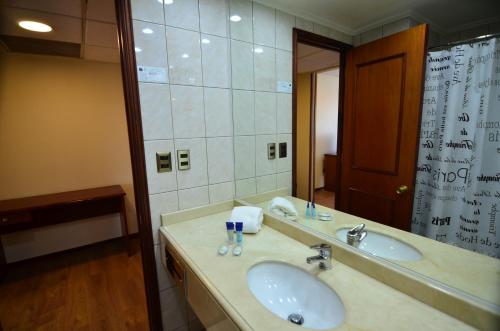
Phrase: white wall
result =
(219, 100)
(327, 102)
(62, 128)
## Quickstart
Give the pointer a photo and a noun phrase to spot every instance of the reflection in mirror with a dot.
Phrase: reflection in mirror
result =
(432, 210)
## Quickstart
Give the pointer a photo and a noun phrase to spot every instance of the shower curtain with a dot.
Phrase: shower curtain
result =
(457, 191)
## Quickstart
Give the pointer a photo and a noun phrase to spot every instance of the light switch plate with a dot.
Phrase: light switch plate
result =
(163, 162)
(183, 162)
(282, 150)
(271, 151)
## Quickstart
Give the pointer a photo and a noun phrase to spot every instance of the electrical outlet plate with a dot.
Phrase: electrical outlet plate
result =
(271, 151)
(164, 162)
(183, 162)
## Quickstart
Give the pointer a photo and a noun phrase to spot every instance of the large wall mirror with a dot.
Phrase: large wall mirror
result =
(397, 145)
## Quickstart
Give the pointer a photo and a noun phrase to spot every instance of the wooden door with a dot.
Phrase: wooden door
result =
(382, 104)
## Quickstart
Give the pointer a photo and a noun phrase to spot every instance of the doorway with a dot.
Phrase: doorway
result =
(317, 99)
(326, 135)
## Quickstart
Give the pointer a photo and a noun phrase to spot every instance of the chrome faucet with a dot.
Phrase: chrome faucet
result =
(324, 257)
(356, 235)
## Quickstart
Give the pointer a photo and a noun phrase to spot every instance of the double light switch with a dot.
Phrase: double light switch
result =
(183, 162)
(163, 162)
(271, 151)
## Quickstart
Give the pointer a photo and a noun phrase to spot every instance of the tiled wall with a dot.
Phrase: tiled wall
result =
(384, 30)
(471, 33)
(219, 100)
(435, 39)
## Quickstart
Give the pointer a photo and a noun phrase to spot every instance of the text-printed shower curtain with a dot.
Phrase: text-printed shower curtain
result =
(457, 192)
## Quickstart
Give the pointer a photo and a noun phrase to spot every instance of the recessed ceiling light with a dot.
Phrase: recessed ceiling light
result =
(235, 18)
(35, 26)
(167, 2)
(147, 31)
(258, 50)
(185, 56)
(138, 49)
(205, 41)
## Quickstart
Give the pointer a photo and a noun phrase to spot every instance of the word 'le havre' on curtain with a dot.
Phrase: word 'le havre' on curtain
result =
(457, 192)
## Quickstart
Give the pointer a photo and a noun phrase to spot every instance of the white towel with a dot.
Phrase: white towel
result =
(250, 216)
(283, 207)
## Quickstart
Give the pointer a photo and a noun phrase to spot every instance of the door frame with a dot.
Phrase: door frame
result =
(316, 40)
(138, 160)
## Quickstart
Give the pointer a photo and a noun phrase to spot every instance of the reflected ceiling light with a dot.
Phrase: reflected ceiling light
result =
(258, 50)
(205, 41)
(35, 26)
(147, 31)
(138, 49)
(235, 18)
(185, 56)
(167, 2)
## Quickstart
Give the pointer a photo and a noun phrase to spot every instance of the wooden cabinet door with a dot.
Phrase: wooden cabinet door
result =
(382, 105)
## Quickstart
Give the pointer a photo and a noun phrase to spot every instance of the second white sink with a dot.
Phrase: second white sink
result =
(384, 246)
(293, 294)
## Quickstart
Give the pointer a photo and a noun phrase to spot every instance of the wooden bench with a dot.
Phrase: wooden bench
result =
(42, 210)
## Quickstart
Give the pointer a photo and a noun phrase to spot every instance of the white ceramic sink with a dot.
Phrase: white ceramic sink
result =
(384, 246)
(285, 290)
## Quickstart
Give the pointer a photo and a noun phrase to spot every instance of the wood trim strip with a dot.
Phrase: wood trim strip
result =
(136, 142)
(312, 137)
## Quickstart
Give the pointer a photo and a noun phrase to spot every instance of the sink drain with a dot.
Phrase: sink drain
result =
(296, 319)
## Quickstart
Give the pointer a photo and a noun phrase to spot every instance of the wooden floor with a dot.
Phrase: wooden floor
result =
(325, 198)
(91, 288)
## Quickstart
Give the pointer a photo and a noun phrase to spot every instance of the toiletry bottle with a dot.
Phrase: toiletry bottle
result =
(224, 248)
(313, 210)
(239, 239)
(308, 212)
(230, 232)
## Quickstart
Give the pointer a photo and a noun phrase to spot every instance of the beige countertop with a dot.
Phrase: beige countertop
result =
(369, 304)
(470, 272)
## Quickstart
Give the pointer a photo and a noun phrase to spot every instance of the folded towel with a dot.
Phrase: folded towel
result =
(283, 207)
(250, 216)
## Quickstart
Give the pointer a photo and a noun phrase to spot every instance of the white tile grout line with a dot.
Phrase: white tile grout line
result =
(173, 155)
(203, 101)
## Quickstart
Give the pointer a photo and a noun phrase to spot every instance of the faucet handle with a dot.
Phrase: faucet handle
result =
(357, 229)
(321, 247)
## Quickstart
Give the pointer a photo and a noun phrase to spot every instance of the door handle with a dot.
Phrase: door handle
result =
(402, 189)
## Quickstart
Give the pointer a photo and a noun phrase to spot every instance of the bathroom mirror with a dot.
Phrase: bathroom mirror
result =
(358, 115)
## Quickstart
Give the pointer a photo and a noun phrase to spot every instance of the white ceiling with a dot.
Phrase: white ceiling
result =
(312, 58)
(356, 16)
(91, 25)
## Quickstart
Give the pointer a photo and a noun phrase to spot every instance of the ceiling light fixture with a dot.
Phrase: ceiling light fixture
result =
(35, 26)
(138, 49)
(205, 41)
(185, 56)
(235, 18)
(167, 2)
(147, 31)
(258, 50)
